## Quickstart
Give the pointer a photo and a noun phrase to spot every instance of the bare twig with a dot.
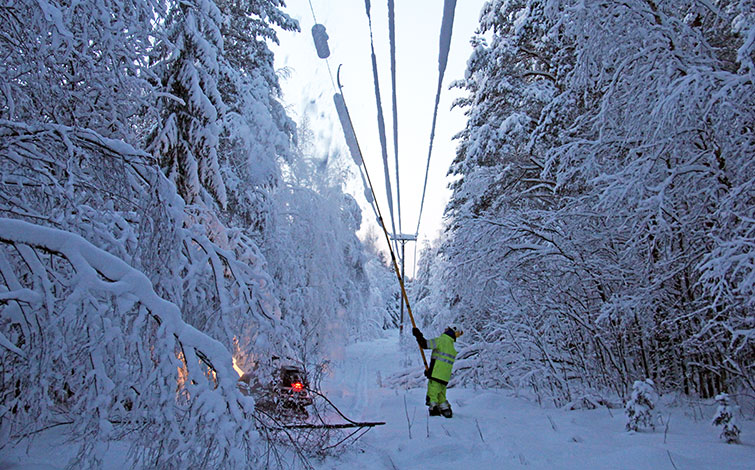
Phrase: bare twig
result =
(341, 414)
(408, 421)
(553, 425)
(363, 431)
(537, 73)
(672, 460)
(665, 432)
(479, 430)
(53, 425)
(279, 427)
(364, 424)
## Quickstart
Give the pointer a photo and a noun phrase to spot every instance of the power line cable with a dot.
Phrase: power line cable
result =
(327, 62)
(332, 82)
(312, 10)
(446, 29)
(352, 140)
(381, 124)
(392, 39)
(376, 206)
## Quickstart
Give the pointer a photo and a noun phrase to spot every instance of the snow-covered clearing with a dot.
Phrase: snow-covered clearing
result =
(493, 429)
(490, 429)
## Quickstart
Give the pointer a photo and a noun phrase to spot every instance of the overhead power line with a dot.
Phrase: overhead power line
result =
(392, 38)
(381, 123)
(449, 6)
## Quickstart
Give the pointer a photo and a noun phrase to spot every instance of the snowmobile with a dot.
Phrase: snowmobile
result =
(286, 403)
(286, 397)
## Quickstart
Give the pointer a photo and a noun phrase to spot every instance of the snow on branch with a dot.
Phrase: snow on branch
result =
(98, 358)
(113, 196)
(87, 259)
(105, 247)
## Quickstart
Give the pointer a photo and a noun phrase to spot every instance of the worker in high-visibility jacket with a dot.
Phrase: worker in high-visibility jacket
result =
(439, 372)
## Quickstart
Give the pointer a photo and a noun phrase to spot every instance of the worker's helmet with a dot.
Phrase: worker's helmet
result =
(455, 330)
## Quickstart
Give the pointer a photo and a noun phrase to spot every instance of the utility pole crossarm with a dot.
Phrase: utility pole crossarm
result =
(405, 237)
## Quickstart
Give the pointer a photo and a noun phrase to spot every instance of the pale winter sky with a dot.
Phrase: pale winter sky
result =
(308, 91)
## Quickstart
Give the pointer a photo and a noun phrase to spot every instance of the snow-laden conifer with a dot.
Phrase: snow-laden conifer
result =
(641, 405)
(187, 134)
(726, 419)
(257, 133)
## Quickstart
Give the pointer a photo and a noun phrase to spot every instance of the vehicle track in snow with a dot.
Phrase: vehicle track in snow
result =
(360, 390)
(351, 383)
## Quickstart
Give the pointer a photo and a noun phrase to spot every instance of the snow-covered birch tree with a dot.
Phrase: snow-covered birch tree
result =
(319, 263)
(599, 207)
(77, 64)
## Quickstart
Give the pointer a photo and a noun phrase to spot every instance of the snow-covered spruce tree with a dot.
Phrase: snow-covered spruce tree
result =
(596, 257)
(725, 418)
(202, 142)
(256, 130)
(186, 136)
(639, 408)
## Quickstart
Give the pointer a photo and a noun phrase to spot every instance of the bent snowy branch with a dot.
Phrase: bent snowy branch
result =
(83, 334)
(88, 259)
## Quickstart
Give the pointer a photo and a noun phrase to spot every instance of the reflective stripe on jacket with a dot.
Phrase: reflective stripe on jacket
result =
(442, 359)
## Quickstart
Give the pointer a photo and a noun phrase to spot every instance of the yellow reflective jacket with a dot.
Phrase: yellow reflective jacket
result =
(443, 358)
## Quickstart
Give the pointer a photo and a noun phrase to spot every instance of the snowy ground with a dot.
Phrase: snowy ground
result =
(490, 429)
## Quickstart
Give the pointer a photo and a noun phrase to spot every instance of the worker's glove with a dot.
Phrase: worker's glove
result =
(421, 341)
(427, 373)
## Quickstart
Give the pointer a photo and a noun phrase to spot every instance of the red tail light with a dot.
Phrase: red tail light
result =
(297, 386)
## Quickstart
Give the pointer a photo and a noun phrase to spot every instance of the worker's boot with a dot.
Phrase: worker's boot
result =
(433, 409)
(445, 410)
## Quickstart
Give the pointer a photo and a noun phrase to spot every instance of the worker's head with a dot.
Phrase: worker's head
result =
(453, 331)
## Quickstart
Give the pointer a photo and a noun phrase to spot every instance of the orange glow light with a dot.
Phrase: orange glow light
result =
(237, 368)
(297, 386)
